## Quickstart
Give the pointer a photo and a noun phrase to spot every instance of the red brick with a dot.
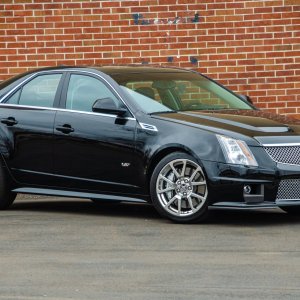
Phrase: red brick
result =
(144, 47)
(277, 104)
(122, 61)
(251, 46)
(112, 4)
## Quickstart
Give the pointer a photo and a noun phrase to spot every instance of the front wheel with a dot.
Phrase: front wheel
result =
(178, 188)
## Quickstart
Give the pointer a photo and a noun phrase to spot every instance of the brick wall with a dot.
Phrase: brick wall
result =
(251, 46)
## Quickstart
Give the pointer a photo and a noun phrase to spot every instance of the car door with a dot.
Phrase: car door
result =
(93, 151)
(26, 128)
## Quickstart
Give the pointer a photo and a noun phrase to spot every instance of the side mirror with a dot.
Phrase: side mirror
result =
(247, 98)
(108, 106)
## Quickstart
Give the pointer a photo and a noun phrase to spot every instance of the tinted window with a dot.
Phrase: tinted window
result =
(14, 99)
(84, 90)
(178, 91)
(5, 85)
(40, 91)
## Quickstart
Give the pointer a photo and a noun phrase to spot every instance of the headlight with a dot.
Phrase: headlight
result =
(236, 151)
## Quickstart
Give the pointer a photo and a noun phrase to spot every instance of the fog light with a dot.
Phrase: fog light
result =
(247, 189)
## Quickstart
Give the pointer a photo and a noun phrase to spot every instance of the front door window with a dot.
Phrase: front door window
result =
(83, 91)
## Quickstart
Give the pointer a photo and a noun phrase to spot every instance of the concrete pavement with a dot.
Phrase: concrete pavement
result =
(59, 248)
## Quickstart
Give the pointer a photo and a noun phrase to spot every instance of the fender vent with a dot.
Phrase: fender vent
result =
(148, 127)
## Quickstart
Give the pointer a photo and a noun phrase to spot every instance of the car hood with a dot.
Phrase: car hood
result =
(252, 123)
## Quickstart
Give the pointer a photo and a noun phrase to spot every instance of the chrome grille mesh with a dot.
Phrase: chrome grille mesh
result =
(284, 154)
(289, 189)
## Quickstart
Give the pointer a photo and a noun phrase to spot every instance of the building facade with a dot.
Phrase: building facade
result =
(253, 47)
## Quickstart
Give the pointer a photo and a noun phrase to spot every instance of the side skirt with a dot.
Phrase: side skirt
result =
(52, 192)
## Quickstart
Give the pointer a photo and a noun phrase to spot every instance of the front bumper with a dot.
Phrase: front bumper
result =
(229, 185)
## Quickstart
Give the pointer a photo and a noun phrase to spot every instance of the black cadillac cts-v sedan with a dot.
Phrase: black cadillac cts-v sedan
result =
(171, 137)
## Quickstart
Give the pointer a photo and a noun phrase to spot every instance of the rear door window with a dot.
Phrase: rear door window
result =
(40, 91)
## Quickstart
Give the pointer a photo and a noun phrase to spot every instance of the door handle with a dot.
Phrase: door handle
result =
(66, 128)
(10, 121)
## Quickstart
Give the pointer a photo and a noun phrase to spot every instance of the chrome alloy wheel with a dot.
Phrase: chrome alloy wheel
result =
(181, 187)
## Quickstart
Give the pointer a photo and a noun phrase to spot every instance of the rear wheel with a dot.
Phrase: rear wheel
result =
(178, 188)
(295, 210)
(6, 196)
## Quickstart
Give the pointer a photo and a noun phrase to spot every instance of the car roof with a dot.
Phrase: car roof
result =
(110, 70)
(115, 69)
(137, 69)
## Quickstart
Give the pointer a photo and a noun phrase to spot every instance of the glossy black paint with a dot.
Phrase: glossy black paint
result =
(28, 145)
(92, 153)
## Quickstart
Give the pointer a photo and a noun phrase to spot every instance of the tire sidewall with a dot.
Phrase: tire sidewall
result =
(6, 196)
(196, 217)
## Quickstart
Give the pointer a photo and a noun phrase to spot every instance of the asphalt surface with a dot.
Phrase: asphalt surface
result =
(58, 248)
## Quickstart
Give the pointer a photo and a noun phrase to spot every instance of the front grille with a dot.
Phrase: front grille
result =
(289, 189)
(284, 154)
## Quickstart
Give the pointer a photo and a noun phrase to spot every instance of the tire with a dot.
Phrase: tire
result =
(293, 210)
(179, 190)
(6, 196)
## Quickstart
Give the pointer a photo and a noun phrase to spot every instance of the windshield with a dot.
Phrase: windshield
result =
(177, 91)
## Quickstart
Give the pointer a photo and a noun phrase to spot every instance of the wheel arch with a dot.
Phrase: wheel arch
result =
(4, 166)
(163, 152)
